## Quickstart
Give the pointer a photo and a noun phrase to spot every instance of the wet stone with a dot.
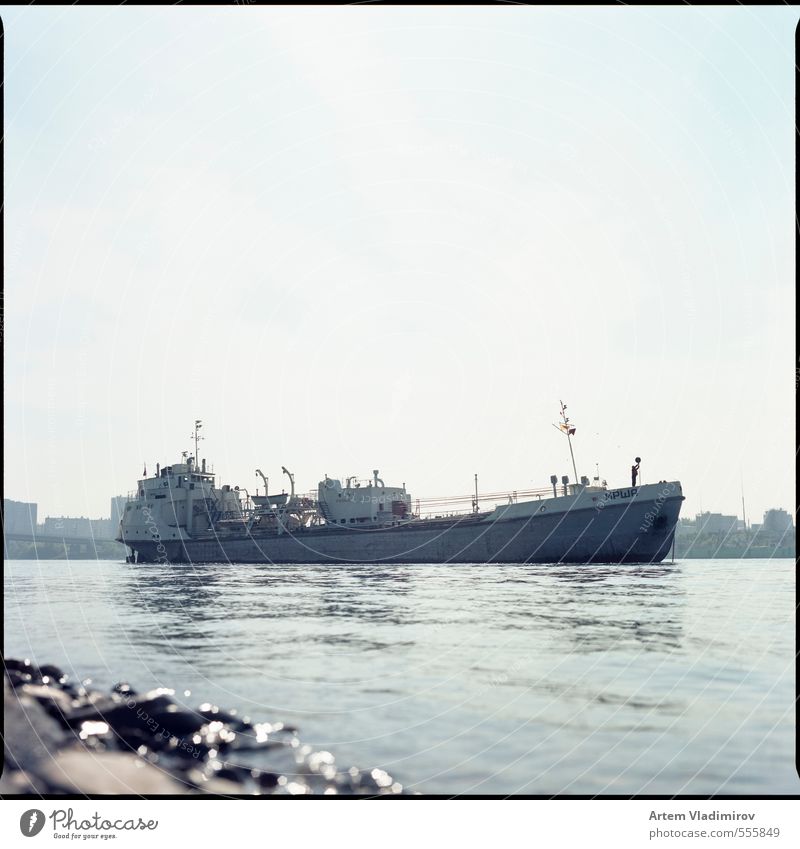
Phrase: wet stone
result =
(231, 772)
(53, 673)
(281, 760)
(12, 665)
(175, 722)
(55, 701)
(17, 677)
(265, 780)
(86, 709)
(150, 744)
(211, 713)
(187, 749)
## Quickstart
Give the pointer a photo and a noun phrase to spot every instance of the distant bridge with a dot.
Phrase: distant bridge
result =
(76, 544)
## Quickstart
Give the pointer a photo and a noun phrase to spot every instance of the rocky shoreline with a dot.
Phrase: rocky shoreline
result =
(63, 738)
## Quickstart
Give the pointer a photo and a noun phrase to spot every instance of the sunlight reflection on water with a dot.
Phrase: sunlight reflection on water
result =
(487, 679)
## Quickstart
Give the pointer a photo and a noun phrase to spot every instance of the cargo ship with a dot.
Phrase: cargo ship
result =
(180, 515)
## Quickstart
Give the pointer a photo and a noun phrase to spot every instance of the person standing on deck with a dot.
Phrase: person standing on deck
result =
(635, 470)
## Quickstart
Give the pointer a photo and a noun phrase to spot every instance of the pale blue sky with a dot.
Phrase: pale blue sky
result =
(372, 237)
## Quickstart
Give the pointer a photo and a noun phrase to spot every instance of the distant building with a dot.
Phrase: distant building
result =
(67, 526)
(104, 528)
(118, 503)
(777, 522)
(19, 517)
(716, 523)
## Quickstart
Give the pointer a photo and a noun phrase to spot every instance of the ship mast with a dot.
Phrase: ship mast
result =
(198, 423)
(566, 428)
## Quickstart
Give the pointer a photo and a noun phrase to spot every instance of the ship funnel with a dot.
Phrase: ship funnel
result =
(204, 465)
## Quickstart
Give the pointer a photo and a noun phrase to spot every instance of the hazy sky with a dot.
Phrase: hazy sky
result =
(394, 238)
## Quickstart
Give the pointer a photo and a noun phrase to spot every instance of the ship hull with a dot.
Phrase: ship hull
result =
(637, 528)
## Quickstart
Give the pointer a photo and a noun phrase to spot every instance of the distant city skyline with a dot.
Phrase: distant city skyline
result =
(395, 238)
(28, 516)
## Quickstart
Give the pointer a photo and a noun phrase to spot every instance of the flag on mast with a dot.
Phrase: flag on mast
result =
(564, 425)
(568, 430)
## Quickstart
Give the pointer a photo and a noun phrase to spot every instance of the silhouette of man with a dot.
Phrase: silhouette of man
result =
(635, 470)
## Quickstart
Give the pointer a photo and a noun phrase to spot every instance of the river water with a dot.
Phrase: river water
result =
(674, 679)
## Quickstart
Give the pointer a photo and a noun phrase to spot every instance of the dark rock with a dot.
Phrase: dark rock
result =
(122, 715)
(56, 702)
(281, 760)
(153, 700)
(136, 740)
(236, 774)
(185, 751)
(62, 737)
(18, 665)
(17, 677)
(213, 714)
(56, 675)
(85, 710)
(265, 780)
(176, 722)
